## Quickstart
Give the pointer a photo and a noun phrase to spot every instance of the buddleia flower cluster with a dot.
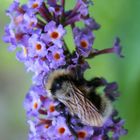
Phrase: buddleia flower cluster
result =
(36, 32)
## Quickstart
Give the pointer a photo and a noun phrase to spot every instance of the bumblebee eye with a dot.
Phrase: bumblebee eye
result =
(57, 85)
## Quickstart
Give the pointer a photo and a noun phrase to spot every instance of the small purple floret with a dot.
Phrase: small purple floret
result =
(84, 40)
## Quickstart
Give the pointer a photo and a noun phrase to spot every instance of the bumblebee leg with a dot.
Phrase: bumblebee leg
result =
(96, 82)
(61, 108)
(68, 122)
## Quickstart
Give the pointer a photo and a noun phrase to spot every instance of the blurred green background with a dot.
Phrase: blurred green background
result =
(118, 18)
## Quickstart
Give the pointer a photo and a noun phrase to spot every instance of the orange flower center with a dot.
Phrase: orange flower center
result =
(35, 5)
(18, 36)
(84, 43)
(47, 126)
(56, 56)
(54, 35)
(61, 130)
(81, 134)
(57, 9)
(38, 47)
(51, 108)
(35, 105)
(44, 58)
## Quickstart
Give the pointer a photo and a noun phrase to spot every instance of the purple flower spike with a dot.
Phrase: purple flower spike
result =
(37, 31)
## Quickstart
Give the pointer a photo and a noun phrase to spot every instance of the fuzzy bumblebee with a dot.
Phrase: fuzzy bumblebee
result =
(79, 96)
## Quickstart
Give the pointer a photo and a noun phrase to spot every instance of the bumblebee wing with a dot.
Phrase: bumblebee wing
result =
(84, 108)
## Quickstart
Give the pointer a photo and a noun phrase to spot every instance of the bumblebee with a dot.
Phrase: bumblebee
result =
(79, 96)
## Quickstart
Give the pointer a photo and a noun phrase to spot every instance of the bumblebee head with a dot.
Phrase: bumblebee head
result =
(57, 82)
